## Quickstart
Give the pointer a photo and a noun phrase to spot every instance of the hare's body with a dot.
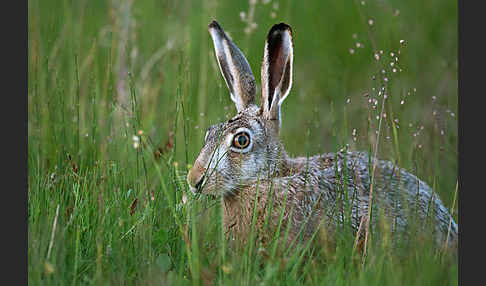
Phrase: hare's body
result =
(310, 193)
(244, 160)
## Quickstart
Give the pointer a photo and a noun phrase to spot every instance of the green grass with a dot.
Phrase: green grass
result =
(121, 212)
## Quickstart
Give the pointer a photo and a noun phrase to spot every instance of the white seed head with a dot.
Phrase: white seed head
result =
(242, 16)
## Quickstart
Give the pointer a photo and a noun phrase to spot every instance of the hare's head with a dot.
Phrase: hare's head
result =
(246, 148)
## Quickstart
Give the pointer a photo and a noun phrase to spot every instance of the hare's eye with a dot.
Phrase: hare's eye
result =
(241, 140)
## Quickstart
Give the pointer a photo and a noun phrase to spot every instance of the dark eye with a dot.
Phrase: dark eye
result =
(241, 140)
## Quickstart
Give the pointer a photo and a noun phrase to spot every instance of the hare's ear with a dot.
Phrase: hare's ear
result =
(276, 70)
(234, 67)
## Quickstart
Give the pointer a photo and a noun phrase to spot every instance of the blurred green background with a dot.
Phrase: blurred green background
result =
(100, 71)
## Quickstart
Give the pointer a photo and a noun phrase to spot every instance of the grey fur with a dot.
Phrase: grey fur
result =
(308, 192)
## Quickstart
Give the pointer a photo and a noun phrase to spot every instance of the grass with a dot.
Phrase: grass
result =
(101, 211)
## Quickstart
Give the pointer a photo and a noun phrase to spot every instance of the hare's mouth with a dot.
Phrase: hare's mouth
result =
(194, 190)
(198, 186)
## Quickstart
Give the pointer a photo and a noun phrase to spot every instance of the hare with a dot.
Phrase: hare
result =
(244, 161)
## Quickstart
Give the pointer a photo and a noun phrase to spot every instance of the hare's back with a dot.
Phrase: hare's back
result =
(396, 192)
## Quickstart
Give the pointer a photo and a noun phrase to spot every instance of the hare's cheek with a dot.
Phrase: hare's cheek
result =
(242, 166)
(216, 161)
(223, 166)
(221, 169)
(250, 165)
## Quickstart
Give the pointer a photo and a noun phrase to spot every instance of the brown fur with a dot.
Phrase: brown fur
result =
(312, 194)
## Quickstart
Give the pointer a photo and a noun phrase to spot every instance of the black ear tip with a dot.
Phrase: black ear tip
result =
(217, 28)
(214, 25)
(281, 27)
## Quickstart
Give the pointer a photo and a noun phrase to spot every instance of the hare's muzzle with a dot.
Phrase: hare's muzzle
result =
(195, 177)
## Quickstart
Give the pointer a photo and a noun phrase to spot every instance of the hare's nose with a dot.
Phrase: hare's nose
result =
(196, 176)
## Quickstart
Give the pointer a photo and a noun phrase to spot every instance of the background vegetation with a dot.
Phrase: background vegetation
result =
(120, 94)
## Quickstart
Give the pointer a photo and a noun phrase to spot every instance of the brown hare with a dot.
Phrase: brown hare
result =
(244, 161)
